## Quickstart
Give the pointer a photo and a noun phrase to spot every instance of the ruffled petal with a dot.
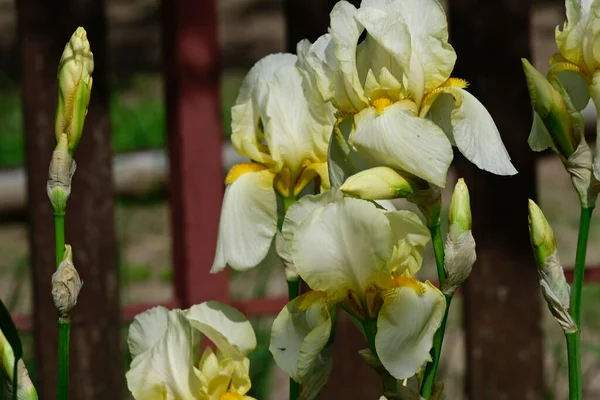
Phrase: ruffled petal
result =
(344, 247)
(297, 128)
(248, 221)
(225, 326)
(570, 38)
(411, 314)
(345, 32)
(471, 127)
(248, 112)
(397, 138)
(146, 330)
(432, 57)
(166, 370)
(300, 332)
(410, 238)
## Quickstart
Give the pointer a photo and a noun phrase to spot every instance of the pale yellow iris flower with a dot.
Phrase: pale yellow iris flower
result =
(283, 126)
(577, 64)
(363, 259)
(167, 362)
(406, 110)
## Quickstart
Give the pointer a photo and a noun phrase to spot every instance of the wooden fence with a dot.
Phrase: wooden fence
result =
(502, 308)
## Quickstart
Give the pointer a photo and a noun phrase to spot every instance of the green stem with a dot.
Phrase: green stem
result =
(293, 292)
(573, 353)
(584, 230)
(59, 233)
(64, 333)
(438, 339)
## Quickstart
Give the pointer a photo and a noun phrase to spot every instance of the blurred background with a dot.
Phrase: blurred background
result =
(247, 30)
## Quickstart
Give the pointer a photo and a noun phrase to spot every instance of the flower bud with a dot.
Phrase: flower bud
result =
(551, 106)
(379, 183)
(459, 248)
(60, 174)
(459, 218)
(74, 88)
(25, 388)
(66, 285)
(554, 286)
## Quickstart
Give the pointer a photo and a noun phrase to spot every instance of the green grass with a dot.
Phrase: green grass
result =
(137, 116)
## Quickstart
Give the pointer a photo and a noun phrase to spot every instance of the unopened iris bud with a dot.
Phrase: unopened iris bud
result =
(460, 244)
(554, 286)
(379, 183)
(74, 88)
(60, 174)
(460, 218)
(25, 388)
(66, 285)
(551, 106)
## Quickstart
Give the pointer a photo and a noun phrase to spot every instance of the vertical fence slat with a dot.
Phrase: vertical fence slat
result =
(502, 301)
(191, 60)
(96, 359)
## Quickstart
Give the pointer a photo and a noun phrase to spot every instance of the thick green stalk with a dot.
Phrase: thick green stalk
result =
(438, 339)
(59, 234)
(574, 356)
(64, 333)
(584, 230)
(64, 324)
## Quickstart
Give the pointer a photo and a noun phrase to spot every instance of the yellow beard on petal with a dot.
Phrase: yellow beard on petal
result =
(410, 282)
(240, 169)
(380, 104)
(231, 396)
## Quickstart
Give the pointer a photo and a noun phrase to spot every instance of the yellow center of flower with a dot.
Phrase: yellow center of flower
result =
(240, 169)
(380, 104)
(410, 282)
(231, 396)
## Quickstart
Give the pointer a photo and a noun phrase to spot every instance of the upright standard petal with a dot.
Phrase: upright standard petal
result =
(397, 138)
(146, 330)
(471, 127)
(248, 221)
(296, 131)
(166, 370)
(345, 32)
(300, 332)
(225, 326)
(410, 238)
(433, 57)
(247, 115)
(344, 247)
(411, 314)
(570, 38)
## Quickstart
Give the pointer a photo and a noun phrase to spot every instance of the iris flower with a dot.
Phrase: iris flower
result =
(168, 364)
(283, 126)
(577, 64)
(395, 84)
(362, 259)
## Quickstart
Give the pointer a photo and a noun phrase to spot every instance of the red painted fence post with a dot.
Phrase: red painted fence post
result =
(191, 62)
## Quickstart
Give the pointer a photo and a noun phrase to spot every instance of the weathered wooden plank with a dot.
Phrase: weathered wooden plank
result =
(502, 306)
(96, 360)
(190, 50)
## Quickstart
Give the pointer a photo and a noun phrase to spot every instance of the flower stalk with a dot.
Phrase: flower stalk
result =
(582, 240)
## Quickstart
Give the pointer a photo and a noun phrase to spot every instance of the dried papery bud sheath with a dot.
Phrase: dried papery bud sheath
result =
(25, 388)
(66, 285)
(459, 248)
(74, 88)
(60, 174)
(552, 108)
(555, 289)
